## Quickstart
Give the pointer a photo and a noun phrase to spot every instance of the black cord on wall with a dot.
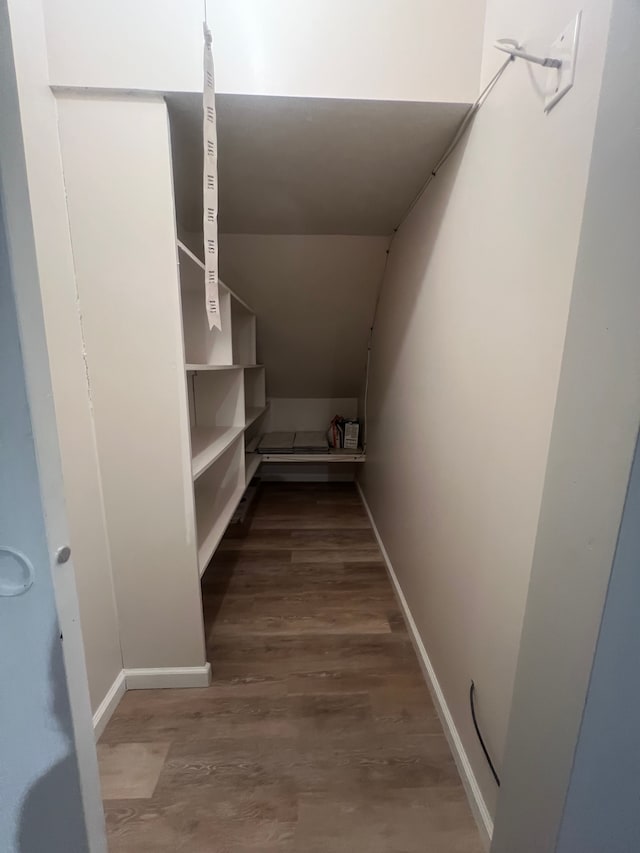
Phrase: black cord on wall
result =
(472, 691)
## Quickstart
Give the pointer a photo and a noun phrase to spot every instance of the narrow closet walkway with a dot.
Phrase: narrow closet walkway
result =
(318, 733)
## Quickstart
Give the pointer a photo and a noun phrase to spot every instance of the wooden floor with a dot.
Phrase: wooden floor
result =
(317, 734)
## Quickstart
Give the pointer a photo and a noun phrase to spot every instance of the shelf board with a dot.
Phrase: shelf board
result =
(252, 414)
(252, 463)
(214, 519)
(194, 368)
(240, 301)
(196, 260)
(208, 444)
(331, 456)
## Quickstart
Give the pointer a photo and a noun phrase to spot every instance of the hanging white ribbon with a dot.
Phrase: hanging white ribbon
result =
(210, 187)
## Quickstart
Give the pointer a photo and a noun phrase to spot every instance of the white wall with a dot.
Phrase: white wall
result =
(66, 351)
(382, 50)
(466, 358)
(579, 536)
(314, 298)
(291, 413)
(116, 158)
(148, 44)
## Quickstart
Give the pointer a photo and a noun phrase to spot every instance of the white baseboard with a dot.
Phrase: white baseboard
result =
(147, 679)
(156, 678)
(474, 795)
(105, 709)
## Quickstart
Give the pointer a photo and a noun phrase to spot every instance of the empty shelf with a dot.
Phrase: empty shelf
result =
(213, 514)
(208, 444)
(194, 368)
(252, 414)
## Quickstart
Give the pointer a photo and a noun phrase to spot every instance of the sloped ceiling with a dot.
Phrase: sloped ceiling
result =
(310, 191)
(308, 165)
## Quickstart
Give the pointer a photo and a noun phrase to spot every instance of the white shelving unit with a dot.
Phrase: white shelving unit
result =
(252, 413)
(208, 444)
(194, 368)
(217, 494)
(202, 345)
(226, 392)
(227, 404)
(340, 456)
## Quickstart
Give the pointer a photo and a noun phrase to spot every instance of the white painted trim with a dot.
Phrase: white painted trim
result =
(474, 794)
(161, 677)
(105, 709)
(141, 679)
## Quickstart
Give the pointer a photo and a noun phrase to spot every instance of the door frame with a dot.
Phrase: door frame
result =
(20, 20)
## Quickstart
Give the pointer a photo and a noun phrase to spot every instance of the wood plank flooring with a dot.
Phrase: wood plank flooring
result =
(318, 734)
